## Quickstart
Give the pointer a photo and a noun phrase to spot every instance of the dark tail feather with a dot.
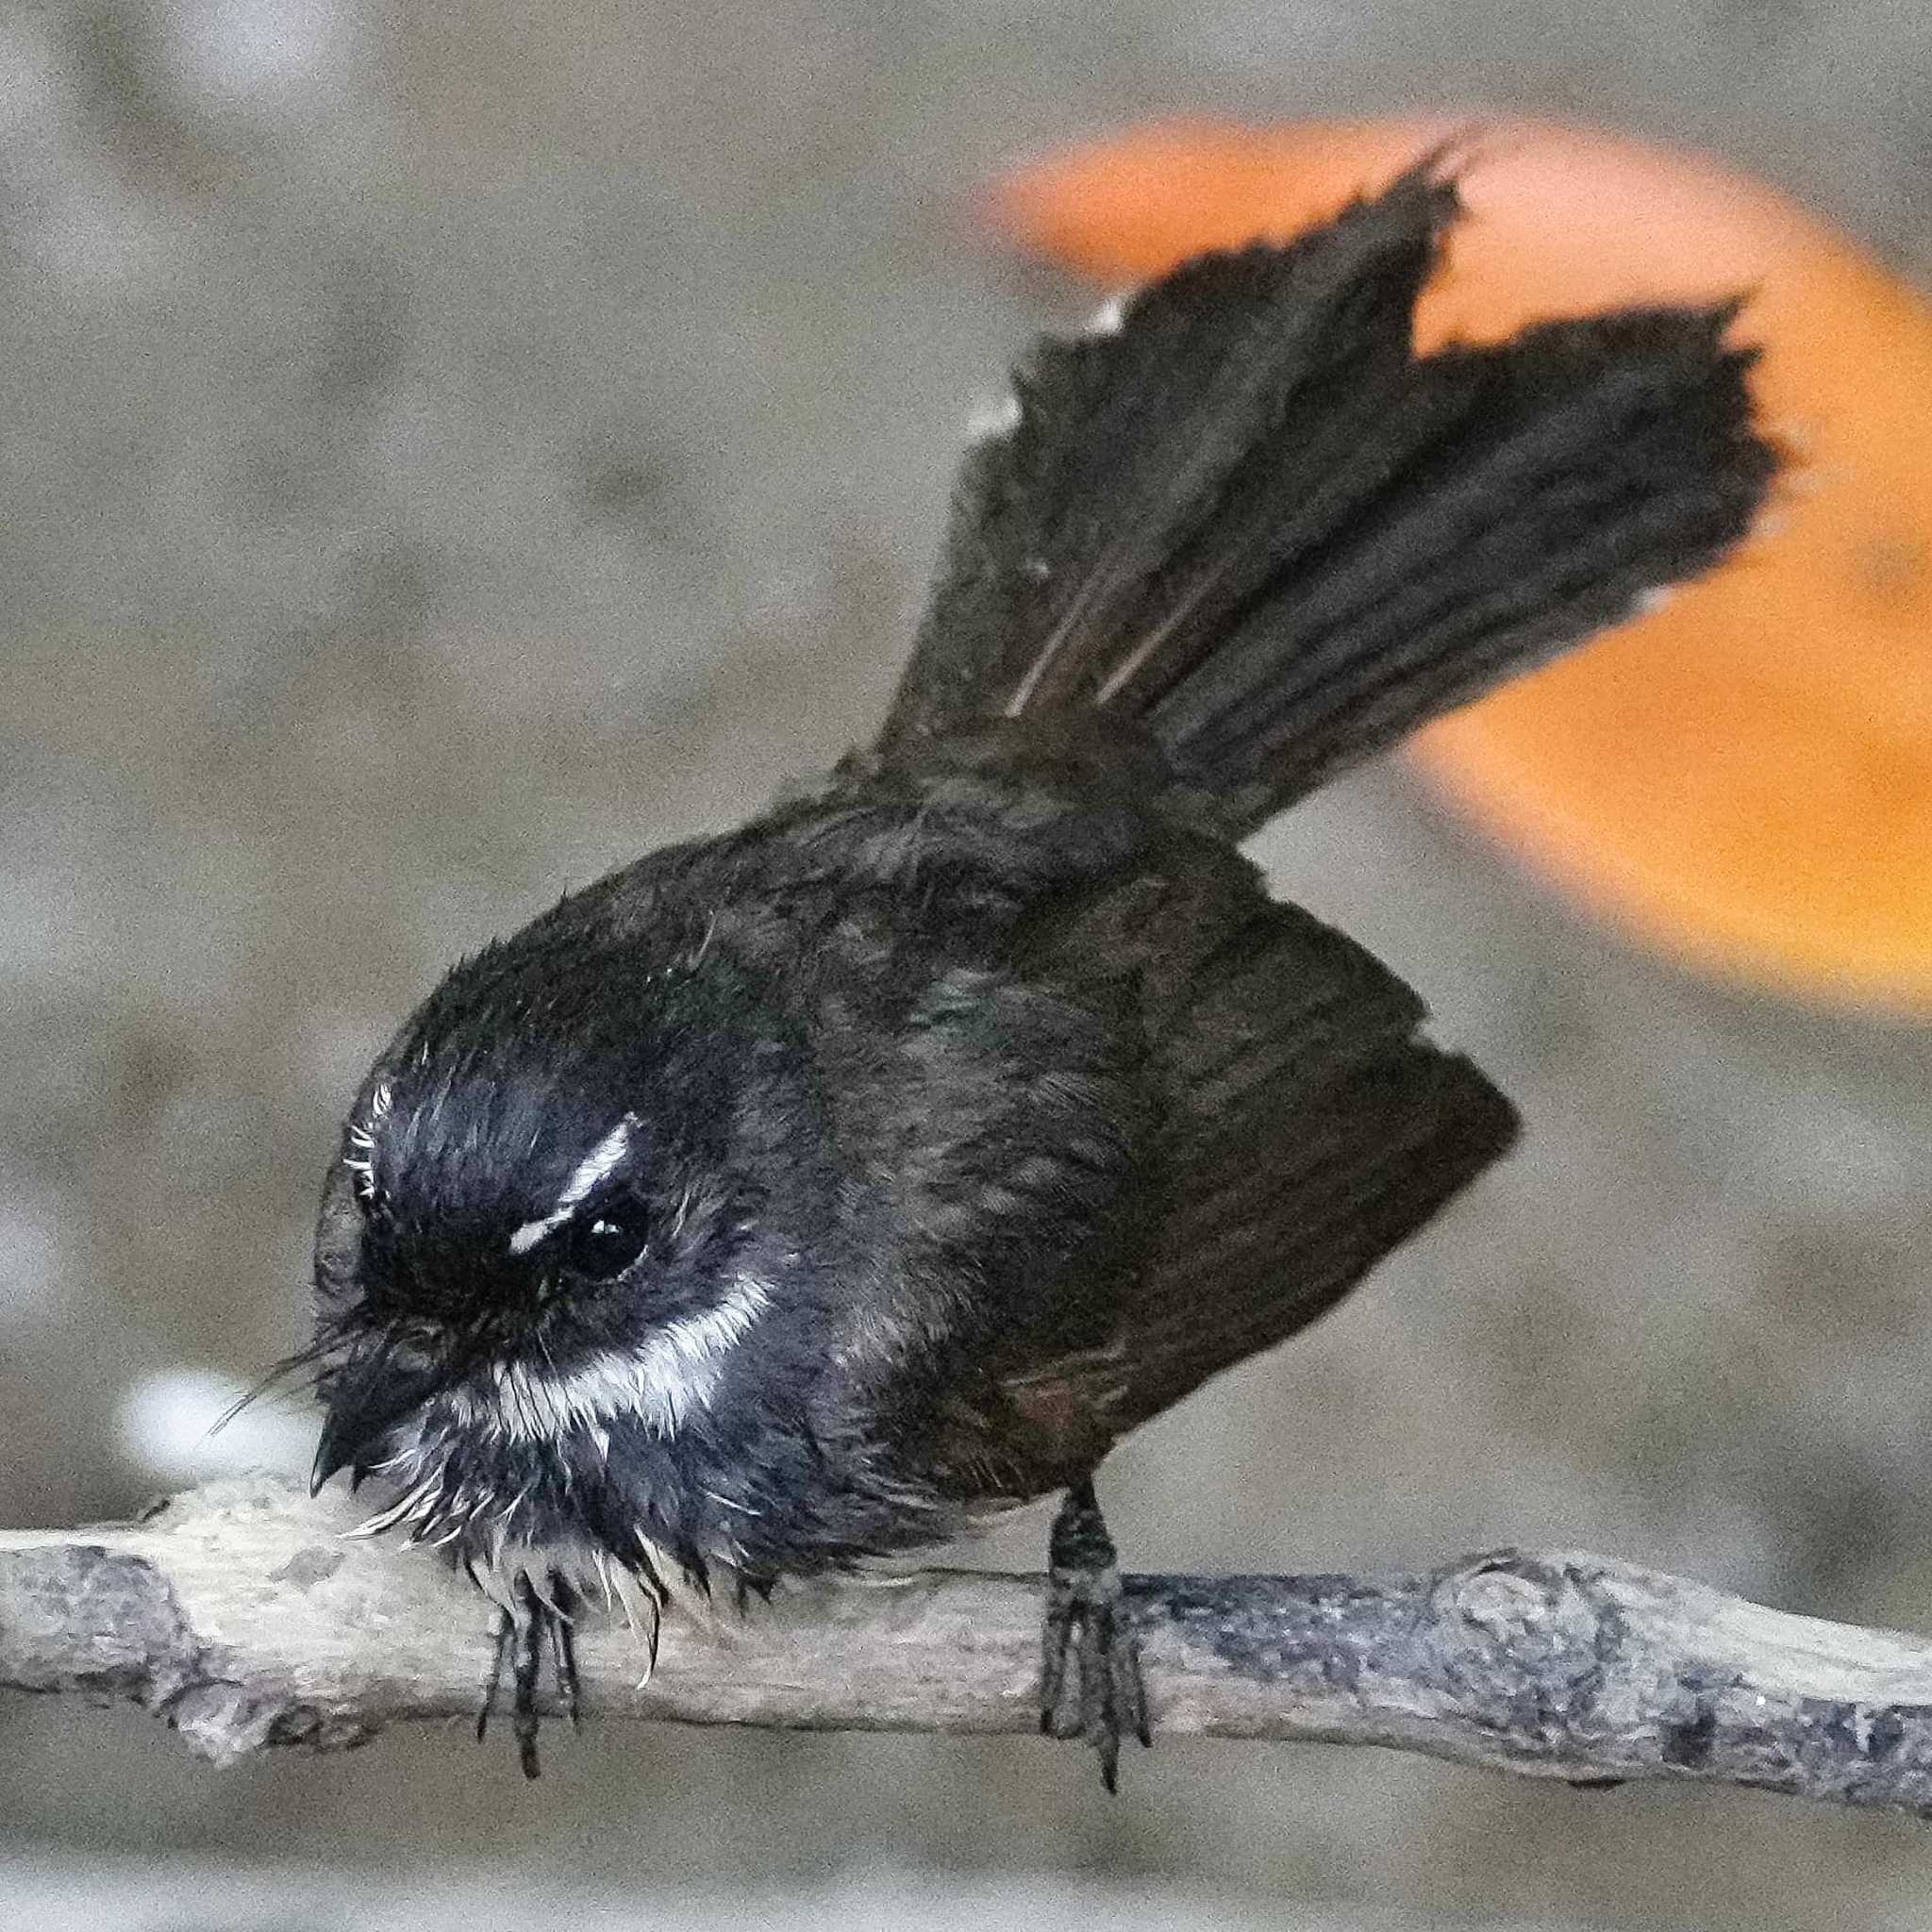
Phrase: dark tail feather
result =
(1252, 518)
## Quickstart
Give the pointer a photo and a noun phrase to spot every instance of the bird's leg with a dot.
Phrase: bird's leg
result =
(501, 1626)
(563, 1656)
(1103, 1696)
(518, 1640)
(527, 1659)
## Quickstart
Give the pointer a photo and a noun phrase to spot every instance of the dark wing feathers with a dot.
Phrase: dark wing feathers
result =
(1302, 1189)
(1306, 1129)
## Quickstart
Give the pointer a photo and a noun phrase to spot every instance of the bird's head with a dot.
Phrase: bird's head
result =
(555, 1213)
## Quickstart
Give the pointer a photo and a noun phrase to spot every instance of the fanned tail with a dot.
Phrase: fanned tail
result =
(1251, 518)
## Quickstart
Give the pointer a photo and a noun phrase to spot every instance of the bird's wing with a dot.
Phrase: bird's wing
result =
(1306, 1128)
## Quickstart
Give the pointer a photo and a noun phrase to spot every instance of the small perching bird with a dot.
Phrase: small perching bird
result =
(785, 1199)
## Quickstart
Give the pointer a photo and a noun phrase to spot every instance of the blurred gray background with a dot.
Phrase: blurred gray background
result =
(447, 449)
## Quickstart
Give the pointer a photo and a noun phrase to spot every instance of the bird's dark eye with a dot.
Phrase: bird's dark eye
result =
(603, 1241)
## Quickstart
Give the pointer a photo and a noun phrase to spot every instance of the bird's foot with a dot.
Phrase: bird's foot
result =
(534, 1621)
(1102, 1696)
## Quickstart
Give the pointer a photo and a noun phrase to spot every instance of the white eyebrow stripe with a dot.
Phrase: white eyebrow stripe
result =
(673, 1372)
(526, 1237)
(600, 1162)
(597, 1165)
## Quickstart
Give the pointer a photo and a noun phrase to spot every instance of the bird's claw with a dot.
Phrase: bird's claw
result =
(520, 1638)
(1103, 1696)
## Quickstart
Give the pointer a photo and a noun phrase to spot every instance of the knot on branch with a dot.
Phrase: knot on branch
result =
(1534, 1650)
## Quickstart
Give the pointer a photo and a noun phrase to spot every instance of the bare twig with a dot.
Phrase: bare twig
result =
(239, 1615)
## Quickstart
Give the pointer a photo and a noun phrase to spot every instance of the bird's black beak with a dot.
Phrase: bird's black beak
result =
(364, 1404)
(335, 1452)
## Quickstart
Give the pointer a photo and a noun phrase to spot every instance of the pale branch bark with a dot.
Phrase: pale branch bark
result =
(239, 1615)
